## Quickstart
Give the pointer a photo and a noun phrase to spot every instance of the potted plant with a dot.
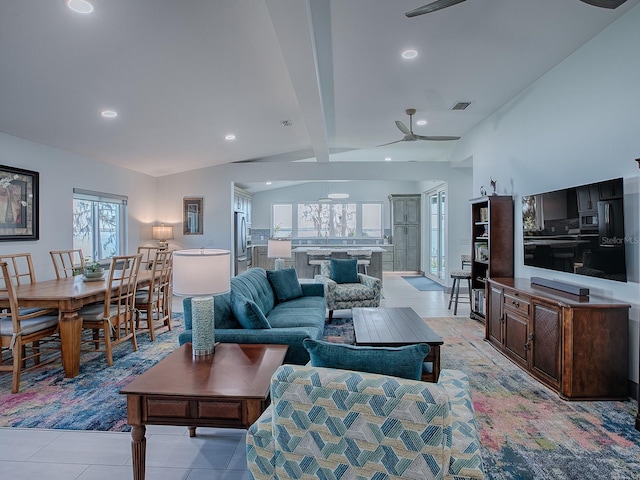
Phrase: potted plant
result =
(93, 269)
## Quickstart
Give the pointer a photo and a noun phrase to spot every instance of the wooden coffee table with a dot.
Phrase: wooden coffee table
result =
(227, 389)
(395, 327)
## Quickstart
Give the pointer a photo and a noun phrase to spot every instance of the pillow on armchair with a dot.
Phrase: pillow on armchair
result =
(344, 270)
(403, 362)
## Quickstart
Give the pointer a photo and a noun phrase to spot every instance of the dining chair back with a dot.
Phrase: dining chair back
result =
(67, 263)
(20, 268)
(153, 305)
(115, 316)
(148, 254)
(28, 336)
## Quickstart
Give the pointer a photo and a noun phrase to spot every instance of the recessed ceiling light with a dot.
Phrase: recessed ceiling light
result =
(409, 54)
(421, 122)
(231, 136)
(387, 159)
(79, 6)
(267, 183)
(109, 113)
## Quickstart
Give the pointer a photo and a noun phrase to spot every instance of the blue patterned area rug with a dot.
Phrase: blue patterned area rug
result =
(526, 431)
(423, 284)
(89, 401)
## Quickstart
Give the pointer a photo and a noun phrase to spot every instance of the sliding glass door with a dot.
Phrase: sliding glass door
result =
(437, 233)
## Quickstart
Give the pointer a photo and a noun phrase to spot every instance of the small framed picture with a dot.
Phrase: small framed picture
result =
(18, 204)
(192, 216)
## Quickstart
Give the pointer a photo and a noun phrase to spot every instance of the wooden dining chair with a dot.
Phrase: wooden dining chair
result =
(20, 268)
(67, 263)
(29, 337)
(115, 317)
(148, 254)
(153, 305)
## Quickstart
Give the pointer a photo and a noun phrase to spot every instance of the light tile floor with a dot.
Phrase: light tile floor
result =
(214, 454)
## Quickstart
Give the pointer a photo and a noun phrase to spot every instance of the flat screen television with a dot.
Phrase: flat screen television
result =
(577, 230)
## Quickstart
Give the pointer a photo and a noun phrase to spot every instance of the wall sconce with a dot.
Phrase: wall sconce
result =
(162, 233)
(279, 249)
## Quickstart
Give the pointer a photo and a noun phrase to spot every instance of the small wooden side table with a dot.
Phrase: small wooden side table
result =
(227, 389)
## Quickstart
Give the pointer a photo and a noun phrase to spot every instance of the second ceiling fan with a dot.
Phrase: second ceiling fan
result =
(440, 4)
(409, 136)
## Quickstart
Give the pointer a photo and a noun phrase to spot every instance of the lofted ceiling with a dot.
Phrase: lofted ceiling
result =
(183, 74)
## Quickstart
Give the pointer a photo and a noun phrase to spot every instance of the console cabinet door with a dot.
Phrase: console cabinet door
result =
(545, 354)
(516, 337)
(494, 319)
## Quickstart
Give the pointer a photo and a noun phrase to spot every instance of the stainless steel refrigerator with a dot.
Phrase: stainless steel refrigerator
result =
(240, 243)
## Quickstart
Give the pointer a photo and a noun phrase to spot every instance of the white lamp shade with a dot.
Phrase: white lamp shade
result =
(278, 248)
(198, 272)
(162, 232)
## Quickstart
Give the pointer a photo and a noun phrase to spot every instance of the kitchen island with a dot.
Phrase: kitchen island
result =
(307, 271)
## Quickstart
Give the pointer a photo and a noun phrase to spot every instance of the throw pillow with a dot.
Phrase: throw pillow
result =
(285, 284)
(248, 313)
(403, 362)
(344, 270)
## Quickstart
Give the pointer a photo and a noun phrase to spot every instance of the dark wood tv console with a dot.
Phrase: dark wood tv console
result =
(577, 346)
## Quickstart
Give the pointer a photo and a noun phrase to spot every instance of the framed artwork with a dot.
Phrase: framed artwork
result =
(19, 198)
(192, 216)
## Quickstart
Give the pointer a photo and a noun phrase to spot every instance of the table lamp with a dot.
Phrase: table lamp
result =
(201, 274)
(162, 233)
(279, 248)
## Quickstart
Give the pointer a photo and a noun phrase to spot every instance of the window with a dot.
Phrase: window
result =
(327, 220)
(437, 234)
(99, 224)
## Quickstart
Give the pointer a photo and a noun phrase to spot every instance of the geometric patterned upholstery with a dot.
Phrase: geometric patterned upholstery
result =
(365, 293)
(330, 423)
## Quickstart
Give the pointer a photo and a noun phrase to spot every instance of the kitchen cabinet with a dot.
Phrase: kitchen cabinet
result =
(242, 203)
(405, 222)
(577, 346)
(492, 253)
(387, 258)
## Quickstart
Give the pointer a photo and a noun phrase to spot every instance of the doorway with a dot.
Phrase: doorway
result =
(437, 233)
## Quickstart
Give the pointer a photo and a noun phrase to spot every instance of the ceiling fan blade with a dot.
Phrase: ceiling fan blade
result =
(384, 144)
(402, 127)
(433, 6)
(605, 3)
(436, 138)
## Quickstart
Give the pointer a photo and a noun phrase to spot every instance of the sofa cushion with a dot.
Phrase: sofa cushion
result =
(248, 313)
(344, 270)
(403, 362)
(222, 316)
(254, 285)
(285, 284)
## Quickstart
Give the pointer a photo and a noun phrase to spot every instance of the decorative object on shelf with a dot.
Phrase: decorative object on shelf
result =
(279, 248)
(192, 213)
(19, 198)
(493, 186)
(202, 273)
(93, 269)
(162, 233)
(483, 192)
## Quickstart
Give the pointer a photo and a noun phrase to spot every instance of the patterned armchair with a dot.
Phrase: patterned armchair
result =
(330, 423)
(365, 293)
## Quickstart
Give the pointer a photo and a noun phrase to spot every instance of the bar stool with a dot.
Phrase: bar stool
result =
(363, 258)
(458, 276)
(315, 257)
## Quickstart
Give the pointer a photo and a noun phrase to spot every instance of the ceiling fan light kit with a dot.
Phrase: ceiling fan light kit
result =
(440, 4)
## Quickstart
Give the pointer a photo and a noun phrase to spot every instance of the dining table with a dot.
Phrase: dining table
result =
(68, 295)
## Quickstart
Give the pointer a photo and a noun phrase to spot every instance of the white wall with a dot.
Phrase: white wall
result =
(577, 124)
(61, 172)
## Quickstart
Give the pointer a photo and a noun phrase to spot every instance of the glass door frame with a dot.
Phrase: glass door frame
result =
(440, 253)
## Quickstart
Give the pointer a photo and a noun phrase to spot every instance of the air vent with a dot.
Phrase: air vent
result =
(286, 123)
(461, 106)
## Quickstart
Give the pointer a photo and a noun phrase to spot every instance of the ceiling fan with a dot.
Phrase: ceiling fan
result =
(409, 136)
(440, 4)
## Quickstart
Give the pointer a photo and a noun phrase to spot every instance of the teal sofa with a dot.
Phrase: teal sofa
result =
(291, 321)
